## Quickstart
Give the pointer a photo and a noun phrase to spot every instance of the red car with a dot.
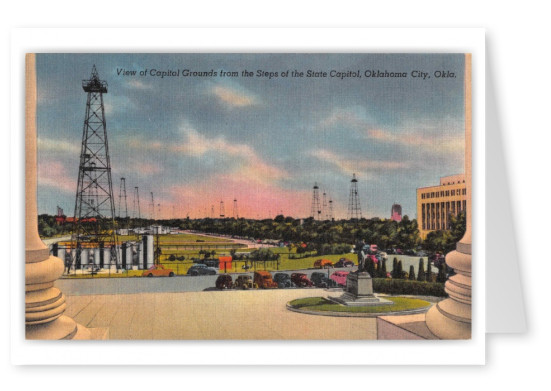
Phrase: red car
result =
(158, 271)
(339, 277)
(301, 280)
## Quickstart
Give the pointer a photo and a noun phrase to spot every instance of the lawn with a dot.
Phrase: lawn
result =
(180, 239)
(322, 304)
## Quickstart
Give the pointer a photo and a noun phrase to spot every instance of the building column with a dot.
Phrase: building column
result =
(44, 304)
(451, 318)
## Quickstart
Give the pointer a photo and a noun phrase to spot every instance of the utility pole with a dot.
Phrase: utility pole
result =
(152, 205)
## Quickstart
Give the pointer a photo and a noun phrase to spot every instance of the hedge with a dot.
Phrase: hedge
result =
(408, 287)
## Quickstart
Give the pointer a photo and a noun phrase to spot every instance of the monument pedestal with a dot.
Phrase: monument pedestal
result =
(359, 292)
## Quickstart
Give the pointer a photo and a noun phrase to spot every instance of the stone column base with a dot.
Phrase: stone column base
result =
(64, 328)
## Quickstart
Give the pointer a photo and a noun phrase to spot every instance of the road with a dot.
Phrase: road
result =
(130, 285)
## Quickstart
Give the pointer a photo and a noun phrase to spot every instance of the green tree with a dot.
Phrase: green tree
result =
(421, 270)
(370, 266)
(383, 269)
(400, 271)
(442, 271)
(428, 274)
(411, 272)
(394, 272)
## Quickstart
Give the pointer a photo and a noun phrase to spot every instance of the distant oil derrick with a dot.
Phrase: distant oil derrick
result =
(354, 208)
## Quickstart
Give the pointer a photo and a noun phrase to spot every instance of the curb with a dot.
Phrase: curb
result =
(359, 314)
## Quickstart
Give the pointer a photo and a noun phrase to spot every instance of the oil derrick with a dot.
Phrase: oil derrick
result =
(330, 215)
(94, 217)
(221, 209)
(354, 209)
(324, 207)
(137, 203)
(235, 211)
(122, 195)
(152, 205)
(315, 211)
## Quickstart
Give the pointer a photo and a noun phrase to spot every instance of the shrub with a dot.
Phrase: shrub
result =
(408, 287)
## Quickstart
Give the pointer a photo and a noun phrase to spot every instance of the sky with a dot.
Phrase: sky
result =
(263, 140)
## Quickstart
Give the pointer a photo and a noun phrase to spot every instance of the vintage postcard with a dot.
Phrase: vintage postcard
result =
(286, 196)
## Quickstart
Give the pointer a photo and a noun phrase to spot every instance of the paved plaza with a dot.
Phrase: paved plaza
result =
(214, 315)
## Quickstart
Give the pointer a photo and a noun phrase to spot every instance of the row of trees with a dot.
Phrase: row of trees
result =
(379, 270)
(323, 236)
(383, 232)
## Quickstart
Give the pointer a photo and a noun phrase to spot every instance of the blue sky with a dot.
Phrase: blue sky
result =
(196, 141)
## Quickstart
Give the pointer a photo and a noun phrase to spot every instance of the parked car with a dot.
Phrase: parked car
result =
(301, 280)
(263, 279)
(158, 271)
(320, 280)
(211, 262)
(224, 281)
(323, 264)
(201, 269)
(243, 282)
(283, 280)
(340, 277)
(343, 262)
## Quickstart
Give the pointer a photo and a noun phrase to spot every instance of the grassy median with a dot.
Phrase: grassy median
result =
(322, 304)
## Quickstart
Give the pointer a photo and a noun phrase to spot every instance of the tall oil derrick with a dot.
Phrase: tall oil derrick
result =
(152, 205)
(330, 216)
(222, 212)
(315, 211)
(122, 194)
(325, 210)
(235, 210)
(94, 218)
(354, 209)
(137, 203)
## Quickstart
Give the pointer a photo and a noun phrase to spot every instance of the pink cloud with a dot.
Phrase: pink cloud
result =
(54, 174)
(349, 166)
(233, 97)
(249, 165)
(253, 199)
(439, 143)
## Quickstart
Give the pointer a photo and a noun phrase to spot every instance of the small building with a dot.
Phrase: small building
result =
(396, 212)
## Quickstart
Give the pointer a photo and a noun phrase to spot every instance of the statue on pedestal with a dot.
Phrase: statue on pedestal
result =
(361, 257)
